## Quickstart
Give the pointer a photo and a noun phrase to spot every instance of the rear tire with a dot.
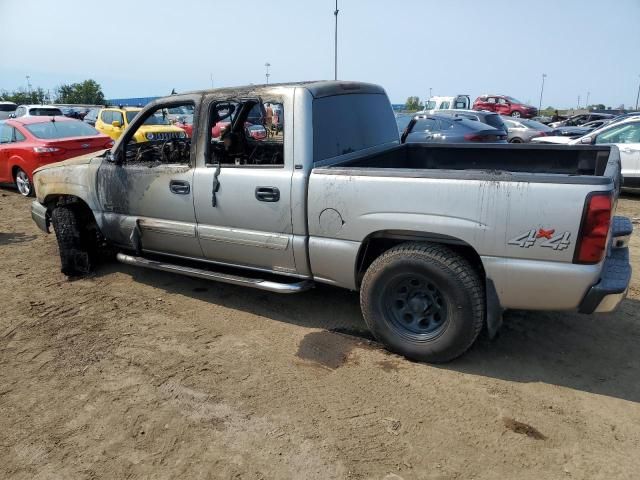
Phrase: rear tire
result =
(23, 183)
(423, 301)
(77, 249)
(516, 114)
(516, 140)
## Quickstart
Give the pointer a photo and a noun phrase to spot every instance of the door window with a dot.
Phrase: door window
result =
(17, 136)
(491, 100)
(106, 116)
(6, 133)
(445, 105)
(117, 117)
(155, 140)
(246, 133)
(629, 133)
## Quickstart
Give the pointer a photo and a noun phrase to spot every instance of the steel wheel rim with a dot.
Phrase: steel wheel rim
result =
(416, 306)
(23, 183)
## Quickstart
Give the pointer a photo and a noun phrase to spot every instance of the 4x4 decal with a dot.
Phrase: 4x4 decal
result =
(547, 239)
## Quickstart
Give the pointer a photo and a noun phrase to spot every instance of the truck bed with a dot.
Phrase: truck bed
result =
(539, 159)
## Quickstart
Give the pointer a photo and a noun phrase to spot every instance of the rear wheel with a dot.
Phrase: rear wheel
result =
(77, 248)
(516, 114)
(423, 301)
(23, 183)
(516, 140)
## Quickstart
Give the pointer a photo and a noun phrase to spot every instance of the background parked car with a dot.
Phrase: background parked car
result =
(36, 111)
(6, 109)
(91, 116)
(625, 135)
(113, 121)
(504, 105)
(447, 129)
(578, 120)
(489, 118)
(523, 130)
(72, 112)
(448, 103)
(29, 142)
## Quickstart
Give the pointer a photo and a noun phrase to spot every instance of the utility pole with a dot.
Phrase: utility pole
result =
(430, 92)
(638, 95)
(544, 75)
(578, 107)
(587, 104)
(335, 44)
(28, 77)
(267, 75)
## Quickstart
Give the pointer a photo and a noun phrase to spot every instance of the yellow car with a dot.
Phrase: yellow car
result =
(112, 121)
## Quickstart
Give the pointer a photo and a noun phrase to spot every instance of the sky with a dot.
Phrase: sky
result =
(138, 48)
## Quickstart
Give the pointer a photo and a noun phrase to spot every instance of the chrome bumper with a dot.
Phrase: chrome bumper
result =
(39, 215)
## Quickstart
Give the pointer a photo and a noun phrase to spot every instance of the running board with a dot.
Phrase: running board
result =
(260, 284)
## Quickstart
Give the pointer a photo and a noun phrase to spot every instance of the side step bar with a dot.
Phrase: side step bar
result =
(260, 284)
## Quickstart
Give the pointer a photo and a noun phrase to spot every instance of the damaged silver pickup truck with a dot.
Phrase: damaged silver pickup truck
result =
(438, 239)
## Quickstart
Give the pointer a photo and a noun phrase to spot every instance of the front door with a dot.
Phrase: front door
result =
(243, 187)
(627, 137)
(146, 193)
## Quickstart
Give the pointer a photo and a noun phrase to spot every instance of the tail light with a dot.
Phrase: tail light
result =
(109, 144)
(542, 134)
(46, 149)
(592, 239)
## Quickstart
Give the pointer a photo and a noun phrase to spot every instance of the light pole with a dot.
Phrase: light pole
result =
(28, 77)
(429, 92)
(587, 103)
(544, 75)
(211, 75)
(335, 45)
(578, 107)
(638, 95)
(267, 74)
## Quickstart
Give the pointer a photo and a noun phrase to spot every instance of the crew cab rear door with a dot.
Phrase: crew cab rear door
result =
(243, 189)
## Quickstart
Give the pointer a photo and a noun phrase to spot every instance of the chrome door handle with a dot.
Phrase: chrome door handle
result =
(179, 187)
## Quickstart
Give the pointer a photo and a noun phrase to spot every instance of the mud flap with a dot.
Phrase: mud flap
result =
(494, 310)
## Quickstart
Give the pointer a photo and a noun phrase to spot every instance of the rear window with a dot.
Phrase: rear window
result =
(43, 112)
(49, 130)
(496, 122)
(7, 107)
(348, 123)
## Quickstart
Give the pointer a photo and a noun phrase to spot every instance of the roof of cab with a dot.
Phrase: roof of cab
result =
(320, 88)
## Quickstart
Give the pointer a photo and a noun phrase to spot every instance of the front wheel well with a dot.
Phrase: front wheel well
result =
(85, 213)
(377, 243)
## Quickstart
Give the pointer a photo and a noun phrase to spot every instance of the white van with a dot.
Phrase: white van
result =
(459, 102)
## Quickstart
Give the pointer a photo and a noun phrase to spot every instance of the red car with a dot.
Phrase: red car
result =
(505, 105)
(27, 143)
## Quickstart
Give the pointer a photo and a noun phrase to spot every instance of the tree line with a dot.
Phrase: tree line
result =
(88, 92)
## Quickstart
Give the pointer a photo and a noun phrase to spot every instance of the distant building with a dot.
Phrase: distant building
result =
(130, 102)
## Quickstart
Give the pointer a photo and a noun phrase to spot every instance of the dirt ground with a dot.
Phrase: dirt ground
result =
(137, 374)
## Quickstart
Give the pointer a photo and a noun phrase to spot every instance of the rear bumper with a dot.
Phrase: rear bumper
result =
(39, 215)
(611, 289)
